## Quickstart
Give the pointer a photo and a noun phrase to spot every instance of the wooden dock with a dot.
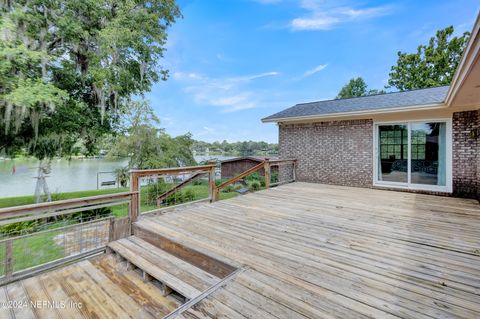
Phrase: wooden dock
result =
(305, 251)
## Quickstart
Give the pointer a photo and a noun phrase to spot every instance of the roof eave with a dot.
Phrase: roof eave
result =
(470, 55)
(422, 107)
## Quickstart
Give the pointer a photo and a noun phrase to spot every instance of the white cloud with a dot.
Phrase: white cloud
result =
(182, 76)
(315, 70)
(230, 94)
(314, 23)
(262, 75)
(323, 16)
(208, 129)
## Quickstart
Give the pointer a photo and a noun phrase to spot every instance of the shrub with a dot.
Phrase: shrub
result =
(199, 182)
(254, 185)
(156, 189)
(176, 198)
(91, 214)
(221, 180)
(274, 178)
(19, 228)
(189, 194)
(228, 189)
(256, 177)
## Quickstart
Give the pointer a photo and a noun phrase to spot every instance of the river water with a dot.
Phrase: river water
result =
(66, 176)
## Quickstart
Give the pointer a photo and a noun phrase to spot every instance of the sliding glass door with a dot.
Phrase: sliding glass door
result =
(413, 155)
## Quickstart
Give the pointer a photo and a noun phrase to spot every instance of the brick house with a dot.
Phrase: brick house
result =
(423, 140)
(234, 166)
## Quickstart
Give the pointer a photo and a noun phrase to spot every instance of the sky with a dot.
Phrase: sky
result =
(233, 62)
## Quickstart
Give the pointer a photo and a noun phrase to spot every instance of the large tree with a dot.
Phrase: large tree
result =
(147, 145)
(68, 66)
(356, 87)
(432, 65)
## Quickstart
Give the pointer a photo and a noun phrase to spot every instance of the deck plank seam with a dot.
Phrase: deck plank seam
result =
(205, 294)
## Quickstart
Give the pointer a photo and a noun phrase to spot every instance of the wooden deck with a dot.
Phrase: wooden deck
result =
(97, 288)
(318, 251)
(307, 251)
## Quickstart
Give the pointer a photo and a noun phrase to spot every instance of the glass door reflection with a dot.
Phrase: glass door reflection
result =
(428, 153)
(393, 153)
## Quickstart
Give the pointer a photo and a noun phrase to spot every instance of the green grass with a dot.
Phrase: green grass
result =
(41, 248)
(36, 250)
(32, 251)
(199, 192)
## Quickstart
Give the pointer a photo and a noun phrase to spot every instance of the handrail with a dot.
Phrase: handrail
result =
(171, 170)
(24, 210)
(249, 171)
(213, 190)
(171, 191)
(136, 174)
(266, 165)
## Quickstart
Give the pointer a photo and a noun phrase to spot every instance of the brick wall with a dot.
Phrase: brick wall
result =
(466, 157)
(336, 152)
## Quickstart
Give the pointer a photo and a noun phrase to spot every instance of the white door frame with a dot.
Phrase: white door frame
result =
(448, 165)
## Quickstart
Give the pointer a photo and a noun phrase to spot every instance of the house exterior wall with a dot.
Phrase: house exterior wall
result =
(233, 168)
(340, 152)
(466, 154)
(335, 152)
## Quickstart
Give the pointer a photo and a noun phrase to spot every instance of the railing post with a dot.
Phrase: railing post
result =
(134, 207)
(266, 168)
(212, 188)
(8, 258)
(294, 173)
(111, 229)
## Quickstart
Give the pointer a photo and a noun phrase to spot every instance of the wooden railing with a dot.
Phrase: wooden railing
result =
(136, 175)
(111, 228)
(22, 245)
(266, 165)
(196, 172)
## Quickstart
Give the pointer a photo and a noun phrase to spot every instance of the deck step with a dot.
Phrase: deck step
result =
(175, 273)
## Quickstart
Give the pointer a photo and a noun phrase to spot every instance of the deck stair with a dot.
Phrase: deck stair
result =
(172, 272)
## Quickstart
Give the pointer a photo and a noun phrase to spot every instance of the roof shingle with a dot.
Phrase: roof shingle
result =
(392, 100)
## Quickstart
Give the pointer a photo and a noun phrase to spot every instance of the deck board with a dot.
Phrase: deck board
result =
(308, 251)
(338, 252)
(103, 287)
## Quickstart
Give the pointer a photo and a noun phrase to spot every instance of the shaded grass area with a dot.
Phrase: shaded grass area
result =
(41, 248)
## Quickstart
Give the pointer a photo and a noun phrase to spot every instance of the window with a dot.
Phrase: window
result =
(393, 140)
(419, 138)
